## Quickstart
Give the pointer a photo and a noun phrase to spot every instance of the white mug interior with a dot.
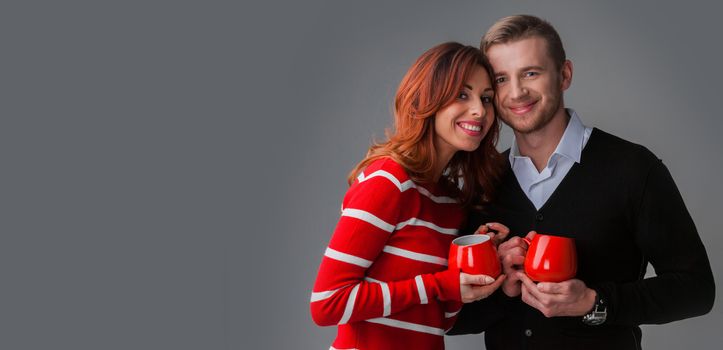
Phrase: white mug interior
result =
(470, 240)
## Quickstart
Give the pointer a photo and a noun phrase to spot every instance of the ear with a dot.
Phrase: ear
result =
(566, 73)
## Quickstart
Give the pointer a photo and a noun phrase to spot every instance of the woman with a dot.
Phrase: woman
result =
(383, 278)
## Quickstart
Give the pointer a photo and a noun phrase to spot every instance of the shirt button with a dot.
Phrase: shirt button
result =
(528, 332)
(539, 217)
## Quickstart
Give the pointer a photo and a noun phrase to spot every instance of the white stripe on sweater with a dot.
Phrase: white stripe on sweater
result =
(420, 289)
(451, 314)
(387, 175)
(414, 255)
(418, 222)
(349, 305)
(319, 296)
(435, 199)
(377, 222)
(367, 217)
(387, 297)
(347, 258)
(403, 186)
(407, 325)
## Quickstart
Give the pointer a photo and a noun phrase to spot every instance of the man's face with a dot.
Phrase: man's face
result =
(529, 86)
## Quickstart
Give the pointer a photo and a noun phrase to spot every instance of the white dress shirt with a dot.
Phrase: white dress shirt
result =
(539, 186)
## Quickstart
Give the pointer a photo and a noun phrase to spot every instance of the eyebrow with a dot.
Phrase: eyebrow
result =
(470, 88)
(526, 68)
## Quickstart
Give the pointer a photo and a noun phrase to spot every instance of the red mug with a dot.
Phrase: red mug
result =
(475, 255)
(550, 258)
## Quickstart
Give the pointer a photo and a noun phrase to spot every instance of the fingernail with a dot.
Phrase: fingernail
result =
(489, 279)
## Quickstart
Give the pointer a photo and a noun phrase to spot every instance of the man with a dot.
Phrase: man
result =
(615, 198)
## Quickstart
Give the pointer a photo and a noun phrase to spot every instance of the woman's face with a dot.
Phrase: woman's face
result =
(463, 124)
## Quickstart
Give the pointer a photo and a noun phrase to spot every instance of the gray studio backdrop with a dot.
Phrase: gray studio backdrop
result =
(173, 170)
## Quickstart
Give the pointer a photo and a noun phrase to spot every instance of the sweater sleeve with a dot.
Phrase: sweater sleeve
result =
(451, 311)
(341, 292)
(478, 316)
(683, 286)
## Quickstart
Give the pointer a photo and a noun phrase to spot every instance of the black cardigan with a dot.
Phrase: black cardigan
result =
(623, 209)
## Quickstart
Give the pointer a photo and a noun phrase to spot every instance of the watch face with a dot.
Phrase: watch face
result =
(599, 313)
(594, 321)
(595, 318)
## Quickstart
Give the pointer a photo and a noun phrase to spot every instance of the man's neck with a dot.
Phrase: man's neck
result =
(539, 144)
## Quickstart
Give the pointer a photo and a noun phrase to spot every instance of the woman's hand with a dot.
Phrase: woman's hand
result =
(495, 230)
(477, 287)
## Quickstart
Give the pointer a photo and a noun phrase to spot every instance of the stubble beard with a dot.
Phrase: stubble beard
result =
(532, 123)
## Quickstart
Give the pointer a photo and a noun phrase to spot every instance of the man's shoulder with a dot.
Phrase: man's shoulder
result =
(617, 149)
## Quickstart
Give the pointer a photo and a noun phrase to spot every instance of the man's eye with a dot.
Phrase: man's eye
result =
(531, 74)
(499, 80)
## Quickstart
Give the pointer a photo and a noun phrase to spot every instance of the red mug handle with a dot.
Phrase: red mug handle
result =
(527, 240)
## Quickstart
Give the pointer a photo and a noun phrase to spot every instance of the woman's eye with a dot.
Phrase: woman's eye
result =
(486, 99)
(499, 80)
(462, 96)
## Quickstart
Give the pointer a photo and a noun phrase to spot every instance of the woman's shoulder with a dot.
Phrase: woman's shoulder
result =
(385, 167)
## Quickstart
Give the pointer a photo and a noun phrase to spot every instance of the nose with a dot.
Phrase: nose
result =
(477, 109)
(517, 90)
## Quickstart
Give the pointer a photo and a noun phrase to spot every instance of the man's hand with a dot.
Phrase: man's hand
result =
(495, 230)
(477, 287)
(512, 257)
(567, 298)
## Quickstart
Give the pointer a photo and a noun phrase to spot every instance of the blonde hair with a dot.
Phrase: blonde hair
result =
(518, 27)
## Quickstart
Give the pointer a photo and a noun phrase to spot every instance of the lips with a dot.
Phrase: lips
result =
(522, 109)
(471, 128)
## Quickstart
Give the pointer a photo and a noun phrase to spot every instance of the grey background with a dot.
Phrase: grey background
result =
(172, 171)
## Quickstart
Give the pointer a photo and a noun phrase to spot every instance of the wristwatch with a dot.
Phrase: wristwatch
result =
(599, 312)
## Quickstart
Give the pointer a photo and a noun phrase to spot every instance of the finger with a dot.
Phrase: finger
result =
(531, 235)
(484, 291)
(516, 251)
(523, 277)
(512, 277)
(500, 228)
(497, 283)
(513, 261)
(551, 288)
(512, 243)
(479, 280)
(482, 229)
(528, 298)
(530, 285)
(496, 240)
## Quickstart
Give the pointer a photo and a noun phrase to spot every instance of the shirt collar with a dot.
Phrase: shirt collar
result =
(571, 143)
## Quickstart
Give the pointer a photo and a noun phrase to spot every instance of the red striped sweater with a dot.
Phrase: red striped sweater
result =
(383, 278)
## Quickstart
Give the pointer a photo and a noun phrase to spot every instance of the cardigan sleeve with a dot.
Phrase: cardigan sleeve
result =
(341, 292)
(665, 233)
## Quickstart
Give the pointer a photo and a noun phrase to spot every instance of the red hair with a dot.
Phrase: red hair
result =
(432, 83)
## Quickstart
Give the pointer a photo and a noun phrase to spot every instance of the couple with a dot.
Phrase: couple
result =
(384, 279)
